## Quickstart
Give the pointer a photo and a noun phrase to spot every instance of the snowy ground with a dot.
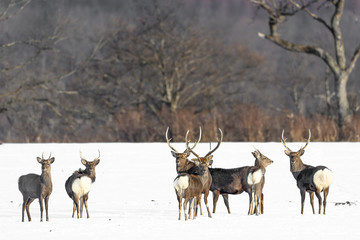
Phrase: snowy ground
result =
(133, 196)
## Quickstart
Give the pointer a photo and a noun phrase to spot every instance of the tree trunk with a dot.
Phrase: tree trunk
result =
(342, 102)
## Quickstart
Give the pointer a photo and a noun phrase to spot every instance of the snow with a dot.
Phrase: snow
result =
(133, 196)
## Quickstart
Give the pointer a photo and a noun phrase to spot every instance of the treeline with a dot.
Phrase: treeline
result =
(146, 66)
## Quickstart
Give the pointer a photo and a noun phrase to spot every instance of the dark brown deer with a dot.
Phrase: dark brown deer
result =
(308, 178)
(206, 178)
(250, 179)
(79, 183)
(34, 186)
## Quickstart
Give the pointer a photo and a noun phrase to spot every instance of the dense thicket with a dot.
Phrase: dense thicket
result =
(102, 70)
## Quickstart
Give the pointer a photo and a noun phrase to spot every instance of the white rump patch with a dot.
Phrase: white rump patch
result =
(255, 177)
(181, 183)
(81, 186)
(323, 179)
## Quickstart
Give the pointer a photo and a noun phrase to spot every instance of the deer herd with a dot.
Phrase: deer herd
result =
(195, 179)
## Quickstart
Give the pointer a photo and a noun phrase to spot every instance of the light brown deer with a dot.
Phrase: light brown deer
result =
(206, 178)
(308, 178)
(79, 183)
(188, 186)
(183, 164)
(34, 186)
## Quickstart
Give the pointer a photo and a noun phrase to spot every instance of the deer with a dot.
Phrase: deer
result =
(188, 186)
(206, 178)
(308, 178)
(250, 179)
(33, 186)
(183, 164)
(79, 183)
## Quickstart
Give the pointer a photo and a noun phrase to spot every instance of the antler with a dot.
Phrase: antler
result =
(81, 156)
(283, 141)
(168, 140)
(188, 141)
(98, 156)
(219, 142)
(307, 142)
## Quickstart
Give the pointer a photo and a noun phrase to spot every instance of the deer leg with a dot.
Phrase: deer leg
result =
(216, 194)
(251, 201)
(191, 206)
(41, 208)
(302, 193)
(47, 208)
(262, 204)
(81, 206)
(226, 201)
(199, 202)
(23, 209)
(185, 207)
(326, 192)
(85, 198)
(27, 205)
(317, 193)
(311, 194)
(180, 203)
(76, 206)
(206, 194)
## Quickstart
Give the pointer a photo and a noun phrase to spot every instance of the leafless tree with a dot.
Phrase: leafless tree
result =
(279, 11)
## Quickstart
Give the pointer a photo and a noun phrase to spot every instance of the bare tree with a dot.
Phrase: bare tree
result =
(279, 11)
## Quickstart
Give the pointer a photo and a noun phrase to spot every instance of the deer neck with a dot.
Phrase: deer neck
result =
(260, 165)
(91, 174)
(46, 177)
(296, 167)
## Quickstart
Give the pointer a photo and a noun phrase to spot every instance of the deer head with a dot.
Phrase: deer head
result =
(261, 160)
(90, 166)
(295, 160)
(45, 163)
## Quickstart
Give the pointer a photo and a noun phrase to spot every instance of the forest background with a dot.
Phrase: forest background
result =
(122, 71)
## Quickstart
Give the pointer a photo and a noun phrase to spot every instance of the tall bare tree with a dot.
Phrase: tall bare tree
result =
(280, 10)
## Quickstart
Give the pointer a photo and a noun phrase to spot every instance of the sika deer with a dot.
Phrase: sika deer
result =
(78, 185)
(250, 179)
(188, 186)
(34, 186)
(183, 165)
(206, 178)
(308, 178)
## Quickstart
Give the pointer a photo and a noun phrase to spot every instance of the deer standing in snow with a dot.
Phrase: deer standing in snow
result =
(34, 186)
(250, 179)
(308, 178)
(78, 185)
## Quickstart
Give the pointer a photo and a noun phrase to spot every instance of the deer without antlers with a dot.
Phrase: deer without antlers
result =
(78, 185)
(308, 178)
(34, 186)
(250, 179)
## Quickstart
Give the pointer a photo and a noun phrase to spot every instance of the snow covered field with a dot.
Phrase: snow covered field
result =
(133, 196)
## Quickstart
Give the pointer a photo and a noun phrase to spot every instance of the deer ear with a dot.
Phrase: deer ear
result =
(287, 152)
(52, 160)
(210, 158)
(210, 162)
(97, 161)
(83, 161)
(39, 159)
(174, 154)
(188, 154)
(302, 152)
